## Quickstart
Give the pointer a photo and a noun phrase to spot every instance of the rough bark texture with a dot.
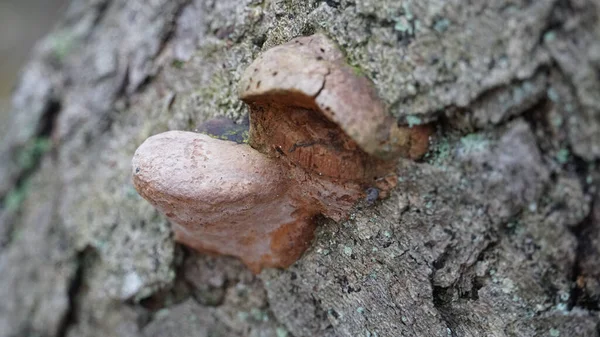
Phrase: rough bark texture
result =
(495, 233)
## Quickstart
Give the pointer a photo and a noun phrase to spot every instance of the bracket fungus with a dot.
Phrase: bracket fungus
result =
(319, 137)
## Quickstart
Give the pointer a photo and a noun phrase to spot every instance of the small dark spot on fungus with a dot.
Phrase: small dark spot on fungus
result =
(252, 200)
(319, 58)
(372, 195)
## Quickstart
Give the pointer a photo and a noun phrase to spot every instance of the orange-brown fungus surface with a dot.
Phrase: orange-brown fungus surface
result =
(318, 138)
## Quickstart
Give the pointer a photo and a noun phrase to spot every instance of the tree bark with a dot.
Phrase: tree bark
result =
(496, 232)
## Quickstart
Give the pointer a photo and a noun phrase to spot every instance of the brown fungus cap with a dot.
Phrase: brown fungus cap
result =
(224, 198)
(318, 138)
(310, 73)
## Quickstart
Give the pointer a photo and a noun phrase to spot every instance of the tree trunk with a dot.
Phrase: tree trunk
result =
(496, 232)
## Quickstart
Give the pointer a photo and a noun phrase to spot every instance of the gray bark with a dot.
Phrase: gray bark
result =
(495, 233)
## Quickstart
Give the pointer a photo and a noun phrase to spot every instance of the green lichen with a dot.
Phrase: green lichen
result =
(216, 96)
(369, 334)
(62, 43)
(562, 156)
(441, 25)
(259, 315)
(347, 250)
(281, 332)
(243, 316)
(532, 207)
(405, 22)
(325, 252)
(413, 120)
(550, 36)
(474, 142)
(27, 159)
(552, 95)
(131, 192)
(33, 152)
(15, 197)
(403, 25)
(177, 64)
(162, 313)
(357, 70)
(407, 12)
(557, 121)
(518, 94)
(438, 152)
(563, 307)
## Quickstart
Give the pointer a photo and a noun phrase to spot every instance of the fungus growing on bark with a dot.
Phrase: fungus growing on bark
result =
(319, 138)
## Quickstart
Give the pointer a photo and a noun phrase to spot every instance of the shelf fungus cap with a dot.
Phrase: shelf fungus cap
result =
(310, 73)
(223, 197)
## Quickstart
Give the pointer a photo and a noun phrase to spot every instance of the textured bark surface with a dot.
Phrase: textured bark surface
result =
(495, 233)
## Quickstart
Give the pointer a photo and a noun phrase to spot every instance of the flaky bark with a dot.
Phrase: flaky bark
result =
(494, 233)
